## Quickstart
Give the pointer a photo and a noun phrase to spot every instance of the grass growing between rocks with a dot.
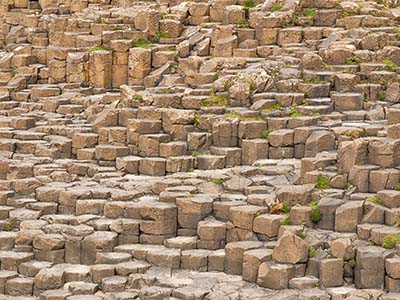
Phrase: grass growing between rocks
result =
(234, 115)
(312, 252)
(280, 208)
(391, 65)
(141, 43)
(274, 107)
(376, 200)
(301, 235)
(265, 134)
(322, 182)
(277, 7)
(391, 240)
(162, 35)
(242, 23)
(286, 221)
(315, 214)
(216, 101)
(197, 119)
(137, 97)
(397, 220)
(353, 61)
(312, 80)
(218, 181)
(249, 4)
(294, 113)
(100, 48)
(196, 153)
(309, 12)
(9, 225)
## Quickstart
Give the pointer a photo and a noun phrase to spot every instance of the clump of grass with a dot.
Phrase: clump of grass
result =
(9, 225)
(309, 12)
(286, 221)
(397, 220)
(354, 60)
(218, 181)
(253, 85)
(189, 195)
(141, 43)
(277, 7)
(242, 23)
(162, 35)
(391, 240)
(249, 4)
(235, 115)
(352, 133)
(280, 208)
(312, 80)
(301, 235)
(322, 182)
(312, 252)
(196, 153)
(274, 107)
(391, 65)
(197, 119)
(265, 134)
(215, 100)
(172, 49)
(315, 214)
(381, 96)
(227, 85)
(100, 48)
(294, 113)
(376, 200)
(137, 97)
(232, 115)
(397, 187)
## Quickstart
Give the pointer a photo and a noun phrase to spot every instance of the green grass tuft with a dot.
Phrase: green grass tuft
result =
(301, 235)
(218, 181)
(312, 80)
(265, 134)
(277, 7)
(391, 65)
(315, 214)
(216, 100)
(9, 225)
(376, 200)
(286, 221)
(142, 43)
(249, 4)
(309, 12)
(137, 97)
(312, 252)
(100, 48)
(274, 107)
(196, 153)
(322, 182)
(242, 23)
(353, 60)
(294, 113)
(197, 119)
(391, 240)
(162, 35)
(382, 96)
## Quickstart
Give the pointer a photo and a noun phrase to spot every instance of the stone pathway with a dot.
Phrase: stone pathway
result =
(211, 150)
